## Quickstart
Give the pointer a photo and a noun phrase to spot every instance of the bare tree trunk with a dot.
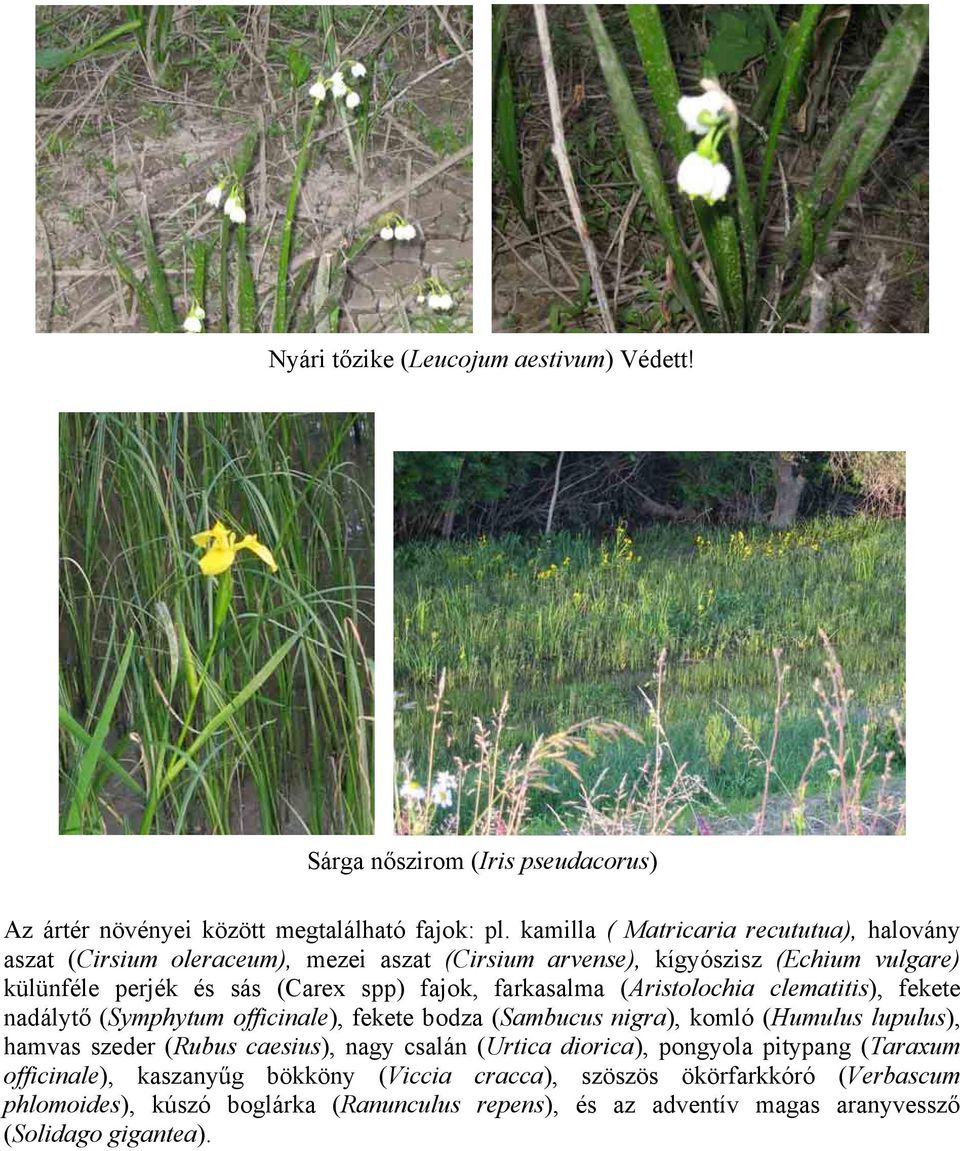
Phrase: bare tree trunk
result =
(453, 495)
(553, 499)
(789, 483)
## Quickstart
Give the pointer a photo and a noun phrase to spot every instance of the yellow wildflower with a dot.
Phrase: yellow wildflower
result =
(222, 548)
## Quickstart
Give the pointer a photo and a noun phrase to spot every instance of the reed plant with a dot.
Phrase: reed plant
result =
(206, 699)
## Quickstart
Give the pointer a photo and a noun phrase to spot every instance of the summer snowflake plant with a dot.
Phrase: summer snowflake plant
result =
(338, 87)
(702, 172)
(195, 317)
(435, 296)
(222, 547)
(233, 206)
(215, 195)
(395, 227)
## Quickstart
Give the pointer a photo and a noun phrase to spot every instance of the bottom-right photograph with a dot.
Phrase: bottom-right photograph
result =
(650, 643)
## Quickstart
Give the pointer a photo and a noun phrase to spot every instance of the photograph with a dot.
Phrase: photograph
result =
(710, 168)
(650, 643)
(261, 168)
(216, 624)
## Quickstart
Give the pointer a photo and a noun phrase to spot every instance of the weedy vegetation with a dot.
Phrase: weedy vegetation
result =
(748, 680)
(216, 623)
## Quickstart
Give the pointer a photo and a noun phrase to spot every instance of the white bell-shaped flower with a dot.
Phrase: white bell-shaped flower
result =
(357, 70)
(337, 85)
(352, 100)
(710, 105)
(386, 233)
(214, 196)
(699, 176)
(318, 90)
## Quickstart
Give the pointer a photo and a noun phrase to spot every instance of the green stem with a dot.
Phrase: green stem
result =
(286, 241)
(745, 217)
(224, 597)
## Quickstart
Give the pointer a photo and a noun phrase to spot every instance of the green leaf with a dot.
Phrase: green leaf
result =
(506, 135)
(229, 710)
(739, 34)
(662, 78)
(91, 757)
(298, 64)
(644, 161)
(795, 51)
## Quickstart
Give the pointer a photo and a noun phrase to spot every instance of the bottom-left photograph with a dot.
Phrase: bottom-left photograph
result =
(216, 618)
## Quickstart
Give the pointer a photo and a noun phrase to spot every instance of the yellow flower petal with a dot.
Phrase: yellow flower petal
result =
(217, 559)
(217, 534)
(260, 550)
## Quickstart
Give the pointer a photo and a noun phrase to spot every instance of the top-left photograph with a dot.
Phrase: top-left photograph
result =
(229, 168)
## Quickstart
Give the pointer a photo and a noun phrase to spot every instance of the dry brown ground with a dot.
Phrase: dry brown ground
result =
(110, 142)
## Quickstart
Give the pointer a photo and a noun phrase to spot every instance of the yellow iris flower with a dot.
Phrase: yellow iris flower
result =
(222, 548)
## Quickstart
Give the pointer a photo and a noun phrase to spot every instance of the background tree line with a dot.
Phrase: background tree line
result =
(446, 494)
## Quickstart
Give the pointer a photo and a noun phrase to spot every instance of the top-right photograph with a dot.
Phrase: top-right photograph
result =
(711, 168)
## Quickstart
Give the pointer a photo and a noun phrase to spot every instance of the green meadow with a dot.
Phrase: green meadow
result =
(671, 636)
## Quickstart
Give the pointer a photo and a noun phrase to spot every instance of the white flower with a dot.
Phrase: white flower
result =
(412, 790)
(337, 85)
(712, 103)
(433, 301)
(357, 70)
(237, 213)
(421, 298)
(440, 303)
(698, 176)
(406, 232)
(353, 99)
(194, 319)
(441, 794)
(386, 233)
(214, 196)
(318, 91)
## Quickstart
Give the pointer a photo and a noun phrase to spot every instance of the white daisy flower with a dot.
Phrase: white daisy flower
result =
(352, 100)
(412, 790)
(318, 91)
(441, 794)
(386, 233)
(700, 113)
(214, 196)
(357, 70)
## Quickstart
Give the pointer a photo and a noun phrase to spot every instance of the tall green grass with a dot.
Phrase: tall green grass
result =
(572, 627)
(236, 703)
